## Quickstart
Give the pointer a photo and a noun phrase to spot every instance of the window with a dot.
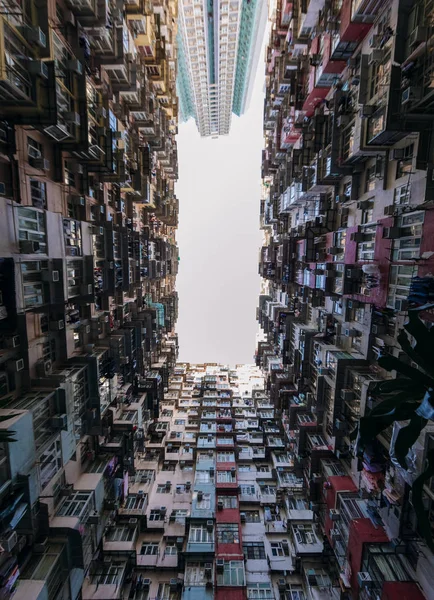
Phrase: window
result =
(304, 534)
(280, 548)
(179, 421)
(32, 231)
(224, 477)
(247, 490)
(227, 533)
(195, 574)
(252, 516)
(35, 150)
(69, 173)
(264, 469)
(233, 574)
(165, 593)
(156, 515)
(254, 551)
(75, 505)
(149, 549)
(370, 177)
(204, 503)
(200, 535)
(162, 488)
(407, 246)
(108, 575)
(259, 591)
(180, 515)
(405, 164)
(202, 477)
(225, 457)
(228, 501)
(120, 534)
(38, 193)
(366, 249)
(170, 549)
(244, 468)
(169, 466)
(401, 195)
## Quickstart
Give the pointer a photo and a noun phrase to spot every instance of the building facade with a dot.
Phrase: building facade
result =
(218, 45)
(88, 305)
(347, 217)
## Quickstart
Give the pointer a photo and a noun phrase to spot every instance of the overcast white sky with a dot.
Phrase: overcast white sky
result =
(219, 237)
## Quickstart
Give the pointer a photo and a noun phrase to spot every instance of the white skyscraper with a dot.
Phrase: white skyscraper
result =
(218, 49)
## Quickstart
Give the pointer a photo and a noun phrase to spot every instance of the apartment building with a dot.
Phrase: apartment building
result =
(347, 217)
(219, 43)
(224, 512)
(88, 305)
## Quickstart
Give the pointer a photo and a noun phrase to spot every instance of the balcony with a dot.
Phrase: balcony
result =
(134, 506)
(105, 580)
(121, 538)
(26, 82)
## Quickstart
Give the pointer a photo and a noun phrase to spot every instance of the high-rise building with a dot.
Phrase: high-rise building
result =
(88, 305)
(219, 42)
(347, 218)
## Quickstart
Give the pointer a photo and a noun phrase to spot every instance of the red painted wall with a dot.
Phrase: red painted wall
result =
(396, 590)
(337, 484)
(362, 531)
(349, 31)
(230, 593)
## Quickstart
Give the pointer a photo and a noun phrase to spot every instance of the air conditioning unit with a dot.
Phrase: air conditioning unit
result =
(86, 289)
(57, 325)
(243, 517)
(357, 236)
(342, 120)
(179, 542)
(220, 564)
(40, 163)
(334, 514)
(366, 111)
(220, 505)
(389, 211)
(34, 35)
(364, 580)
(74, 66)
(376, 56)
(59, 422)
(146, 584)
(392, 233)
(378, 329)
(351, 332)
(281, 584)
(9, 541)
(335, 535)
(168, 485)
(418, 35)
(187, 485)
(16, 365)
(342, 198)
(38, 68)
(411, 94)
(93, 518)
(208, 569)
(173, 583)
(347, 395)
(163, 510)
(209, 525)
(364, 205)
(72, 118)
(401, 305)
(334, 250)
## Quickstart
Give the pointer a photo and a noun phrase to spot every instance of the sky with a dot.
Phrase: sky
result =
(219, 191)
